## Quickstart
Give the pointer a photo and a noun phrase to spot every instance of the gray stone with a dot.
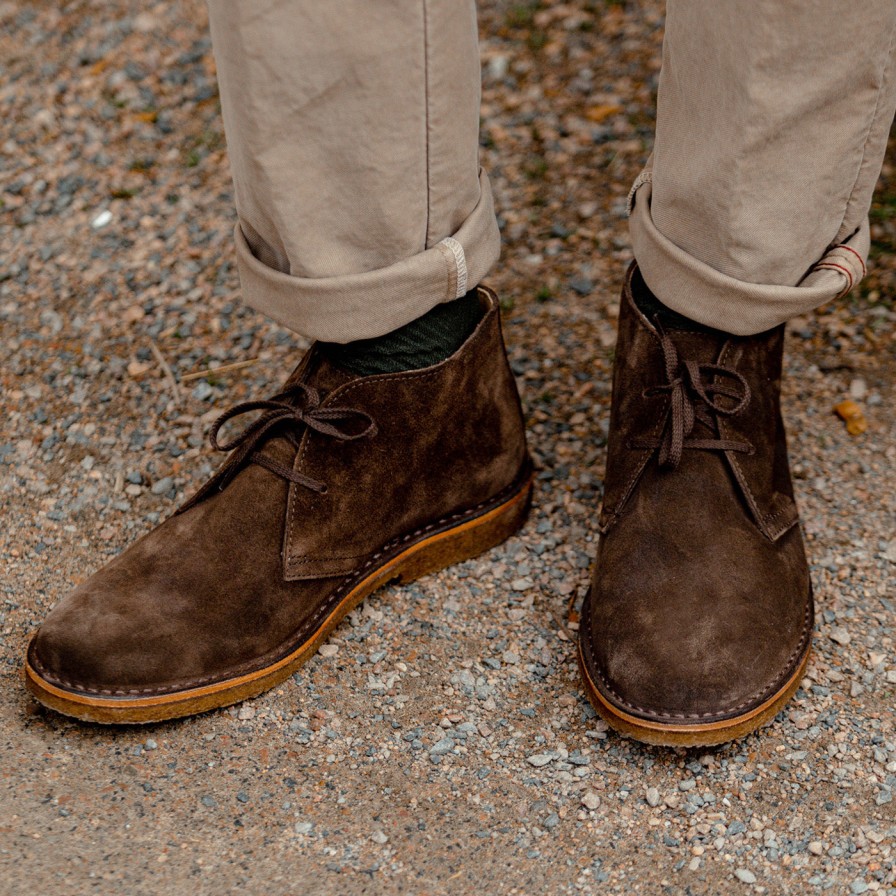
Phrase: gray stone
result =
(441, 747)
(539, 759)
(162, 486)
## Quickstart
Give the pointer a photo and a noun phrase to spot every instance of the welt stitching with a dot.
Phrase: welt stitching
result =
(345, 390)
(402, 539)
(752, 699)
(310, 623)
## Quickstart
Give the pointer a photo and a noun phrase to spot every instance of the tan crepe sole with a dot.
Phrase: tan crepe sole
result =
(426, 556)
(708, 735)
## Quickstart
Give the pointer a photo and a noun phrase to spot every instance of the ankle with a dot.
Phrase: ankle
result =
(428, 340)
(652, 307)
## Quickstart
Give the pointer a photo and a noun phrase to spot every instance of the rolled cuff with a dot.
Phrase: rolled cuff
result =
(362, 306)
(701, 293)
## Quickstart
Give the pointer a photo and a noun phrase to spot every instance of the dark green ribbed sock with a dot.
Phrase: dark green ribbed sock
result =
(651, 307)
(425, 341)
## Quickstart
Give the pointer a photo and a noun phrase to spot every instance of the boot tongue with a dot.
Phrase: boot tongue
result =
(694, 341)
(669, 319)
(699, 346)
(694, 344)
(317, 370)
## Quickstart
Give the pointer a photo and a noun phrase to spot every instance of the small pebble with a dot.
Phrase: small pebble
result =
(539, 760)
(840, 635)
(441, 747)
(101, 220)
(162, 486)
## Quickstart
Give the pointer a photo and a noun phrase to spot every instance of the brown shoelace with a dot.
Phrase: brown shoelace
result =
(289, 411)
(695, 394)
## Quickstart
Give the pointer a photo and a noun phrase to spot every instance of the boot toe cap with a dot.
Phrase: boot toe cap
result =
(718, 667)
(90, 644)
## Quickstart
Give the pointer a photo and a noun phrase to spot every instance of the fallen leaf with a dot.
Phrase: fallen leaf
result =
(851, 413)
(597, 114)
(137, 368)
(132, 314)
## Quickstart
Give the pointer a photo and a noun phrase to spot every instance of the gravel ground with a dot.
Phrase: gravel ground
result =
(441, 742)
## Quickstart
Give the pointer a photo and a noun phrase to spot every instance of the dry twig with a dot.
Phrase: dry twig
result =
(211, 371)
(166, 369)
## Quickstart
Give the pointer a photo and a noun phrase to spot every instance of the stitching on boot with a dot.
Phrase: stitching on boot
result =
(756, 698)
(764, 521)
(292, 510)
(310, 624)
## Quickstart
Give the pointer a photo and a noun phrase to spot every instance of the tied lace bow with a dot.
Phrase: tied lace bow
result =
(687, 383)
(288, 411)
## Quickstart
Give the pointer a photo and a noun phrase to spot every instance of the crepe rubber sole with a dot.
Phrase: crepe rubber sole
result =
(431, 554)
(691, 735)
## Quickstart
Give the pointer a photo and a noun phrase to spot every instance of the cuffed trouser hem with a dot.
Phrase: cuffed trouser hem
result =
(701, 293)
(362, 306)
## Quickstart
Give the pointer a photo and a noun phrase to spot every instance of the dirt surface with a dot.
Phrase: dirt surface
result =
(443, 744)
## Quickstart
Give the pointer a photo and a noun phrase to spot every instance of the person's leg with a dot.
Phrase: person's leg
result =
(363, 222)
(772, 123)
(353, 135)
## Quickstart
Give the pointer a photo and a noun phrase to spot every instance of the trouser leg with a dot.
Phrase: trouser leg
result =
(352, 129)
(772, 121)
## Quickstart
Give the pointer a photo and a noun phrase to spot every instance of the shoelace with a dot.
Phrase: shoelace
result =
(294, 408)
(686, 382)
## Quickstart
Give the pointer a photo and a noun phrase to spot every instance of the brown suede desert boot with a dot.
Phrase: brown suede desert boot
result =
(341, 485)
(699, 620)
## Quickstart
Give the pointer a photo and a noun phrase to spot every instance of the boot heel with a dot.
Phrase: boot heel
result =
(467, 540)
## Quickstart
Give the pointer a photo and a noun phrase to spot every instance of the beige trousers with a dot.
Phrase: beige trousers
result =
(352, 128)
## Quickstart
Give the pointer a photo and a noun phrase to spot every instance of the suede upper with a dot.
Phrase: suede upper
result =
(700, 606)
(254, 562)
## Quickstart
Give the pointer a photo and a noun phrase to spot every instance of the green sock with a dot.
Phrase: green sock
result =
(425, 341)
(651, 307)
